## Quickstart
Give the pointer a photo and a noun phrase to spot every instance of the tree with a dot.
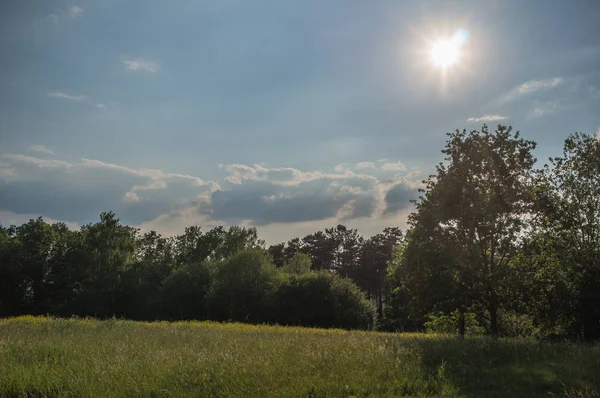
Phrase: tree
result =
(243, 287)
(565, 253)
(139, 289)
(65, 271)
(335, 249)
(423, 279)
(278, 253)
(217, 244)
(346, 245)
(479, 201)
(238, 239)
(293, 246)
(12, 294)
(107, 249)
(183, 293)
(320, 248)
(375, 255)
(298, 264)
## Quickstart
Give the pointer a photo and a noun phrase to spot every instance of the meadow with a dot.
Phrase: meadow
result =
(52, 357)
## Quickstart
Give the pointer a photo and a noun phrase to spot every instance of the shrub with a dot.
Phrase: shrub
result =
(513, 324)
(323, 299)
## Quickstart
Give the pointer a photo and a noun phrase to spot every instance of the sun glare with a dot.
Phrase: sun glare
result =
(444, 53)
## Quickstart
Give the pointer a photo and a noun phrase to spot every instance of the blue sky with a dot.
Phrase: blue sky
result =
(291, 116)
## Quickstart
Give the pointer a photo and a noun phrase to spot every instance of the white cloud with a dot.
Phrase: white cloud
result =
(532, 86)
(42, 163)
(339, 168)
(80, 190)
(174, 222)
(141, 65)
(397, 166)
(9, 218)
(76, 98)
(284, 176)
(131, 197)
(367, 226)
(486, 118)
(157, 177)
(59, 94)
(74, 12)
(535, 85)
(365, 165)
(69, 13)
(41, 149)
(6, 171)
(544, 108)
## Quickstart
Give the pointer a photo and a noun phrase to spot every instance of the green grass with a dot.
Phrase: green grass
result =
(88, 358)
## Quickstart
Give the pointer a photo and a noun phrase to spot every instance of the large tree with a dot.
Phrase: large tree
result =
(105, 251)
(564, 254)
(479, 201)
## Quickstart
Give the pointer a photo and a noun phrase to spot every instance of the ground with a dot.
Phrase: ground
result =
(42, 356)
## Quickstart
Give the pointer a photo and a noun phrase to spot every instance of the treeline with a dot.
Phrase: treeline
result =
(494, 246)
(108, 269)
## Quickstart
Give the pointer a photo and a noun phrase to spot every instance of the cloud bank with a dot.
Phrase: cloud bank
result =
(247, 195)
(41, 149)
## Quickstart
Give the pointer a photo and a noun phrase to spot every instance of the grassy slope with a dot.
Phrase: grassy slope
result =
(58, 357)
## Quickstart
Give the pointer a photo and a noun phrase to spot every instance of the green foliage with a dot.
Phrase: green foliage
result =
(351, 309)
(566, 250)
(422, 271)
(516, 325)
(183, 294)
(370, 275)
(88, 358)
(439, 322)
(323, 299)
(299, 264)
(243, 288)
(470, 218)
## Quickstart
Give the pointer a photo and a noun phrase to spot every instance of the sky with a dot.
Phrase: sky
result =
(288, 116)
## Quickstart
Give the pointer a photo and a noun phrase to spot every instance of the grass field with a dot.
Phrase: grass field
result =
(87, 358)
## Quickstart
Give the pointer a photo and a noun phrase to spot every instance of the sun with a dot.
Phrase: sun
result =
(444, 53)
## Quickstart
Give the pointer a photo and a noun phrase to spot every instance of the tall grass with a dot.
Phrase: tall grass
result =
(87, 358)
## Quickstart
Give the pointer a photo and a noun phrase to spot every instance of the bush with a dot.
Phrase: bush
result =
(323, 299)
(513, 324)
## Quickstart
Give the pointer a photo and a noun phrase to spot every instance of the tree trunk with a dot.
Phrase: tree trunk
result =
(380, 304)
(494, 321)
(461, 323)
